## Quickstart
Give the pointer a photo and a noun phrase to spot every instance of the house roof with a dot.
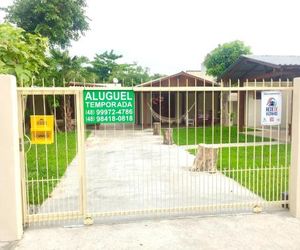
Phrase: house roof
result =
(263, 67)
(200, 74)
(276, 60)
(179, 79)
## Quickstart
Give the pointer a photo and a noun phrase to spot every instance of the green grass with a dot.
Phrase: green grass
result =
(43, 173)
(262, 169)
(210, 135)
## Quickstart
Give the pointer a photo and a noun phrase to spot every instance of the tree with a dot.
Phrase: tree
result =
(65, 68)
(60, 21)
(157, 75)
(130, 74)
(219, 59)
(62, 69)
(104, 64)
(106, 67)
(21, 54)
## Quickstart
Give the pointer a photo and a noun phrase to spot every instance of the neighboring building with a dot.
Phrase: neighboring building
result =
(94, 85)
(260, 68)
(266, 67)
(178, 106)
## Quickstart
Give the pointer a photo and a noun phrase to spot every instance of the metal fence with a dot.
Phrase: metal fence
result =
(210, 154)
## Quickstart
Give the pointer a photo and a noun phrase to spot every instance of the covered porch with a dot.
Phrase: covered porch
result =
(176, 107)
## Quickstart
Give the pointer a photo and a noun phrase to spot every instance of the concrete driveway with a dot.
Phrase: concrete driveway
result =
(132, 170)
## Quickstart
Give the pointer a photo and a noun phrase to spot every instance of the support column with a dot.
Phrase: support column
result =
(10, 180)
(241, 120)
(294, 184)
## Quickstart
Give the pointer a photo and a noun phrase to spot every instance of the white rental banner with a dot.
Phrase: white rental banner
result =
(271, 107)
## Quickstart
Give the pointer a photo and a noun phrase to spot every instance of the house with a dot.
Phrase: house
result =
(263, 69)
(177, 107)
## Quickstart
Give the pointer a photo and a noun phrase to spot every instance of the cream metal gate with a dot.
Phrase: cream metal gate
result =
(45, 166)
(120, 170)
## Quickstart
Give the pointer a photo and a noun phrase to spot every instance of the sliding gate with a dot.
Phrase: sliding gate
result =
(153, 151)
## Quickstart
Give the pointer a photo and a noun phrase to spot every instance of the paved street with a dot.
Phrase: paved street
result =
(278, 231)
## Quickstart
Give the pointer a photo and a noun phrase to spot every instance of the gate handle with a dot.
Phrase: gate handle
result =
(29, 144)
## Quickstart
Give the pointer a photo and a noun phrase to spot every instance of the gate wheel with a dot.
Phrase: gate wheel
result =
(257, 209)
(88, 221)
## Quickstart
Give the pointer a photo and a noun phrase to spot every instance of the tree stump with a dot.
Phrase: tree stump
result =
(156, 128)
(206, 158)
(168, 136)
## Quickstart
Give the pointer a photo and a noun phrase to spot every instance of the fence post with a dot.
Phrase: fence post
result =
(10, 181)
(294, 188)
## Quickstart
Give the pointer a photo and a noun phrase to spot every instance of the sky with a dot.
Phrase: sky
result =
(169, 36)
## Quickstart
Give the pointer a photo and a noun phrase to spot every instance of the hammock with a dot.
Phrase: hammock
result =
(164, 119)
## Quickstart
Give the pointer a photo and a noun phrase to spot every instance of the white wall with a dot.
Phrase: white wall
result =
(10, 180)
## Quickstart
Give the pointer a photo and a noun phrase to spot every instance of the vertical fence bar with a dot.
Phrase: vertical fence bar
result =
(294, 193)
(203, 136)
(255, 168)
(270, 157)
(22, 132)
(160, 147)
(287, 133)
(81, 152)
(276, 189)
(36, 181)
(214, 185)
(230, 169)
(177, 139)
(169, 153)
(46, 154)
(222, 107)
(246, 120)
(240, 173)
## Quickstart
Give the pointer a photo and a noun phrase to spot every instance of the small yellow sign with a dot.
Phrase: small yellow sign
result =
(42, 129)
